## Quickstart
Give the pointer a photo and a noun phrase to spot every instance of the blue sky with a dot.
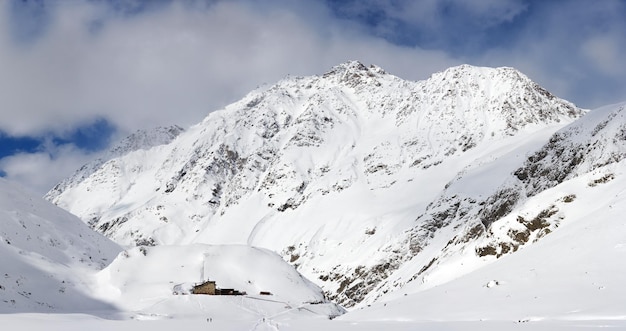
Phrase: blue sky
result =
(79, 74)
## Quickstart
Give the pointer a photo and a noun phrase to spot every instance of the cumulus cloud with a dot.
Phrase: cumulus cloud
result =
(75, 62)
(172, 65)
(41, 170)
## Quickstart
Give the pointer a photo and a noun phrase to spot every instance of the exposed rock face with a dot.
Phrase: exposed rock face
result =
(354, 175)
(578, 149)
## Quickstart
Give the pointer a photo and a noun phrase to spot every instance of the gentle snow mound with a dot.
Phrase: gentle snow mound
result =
(150, 278)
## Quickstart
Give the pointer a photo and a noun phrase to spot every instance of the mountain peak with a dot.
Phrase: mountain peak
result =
(509, 94)
(353, 66)
(354, 72)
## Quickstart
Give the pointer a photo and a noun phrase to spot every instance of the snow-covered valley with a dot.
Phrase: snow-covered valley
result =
(472, 200)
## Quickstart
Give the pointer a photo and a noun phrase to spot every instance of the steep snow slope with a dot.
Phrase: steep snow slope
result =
(140, 140)
(489, 209)
(48, 256)
(346, 174)
(574, 273)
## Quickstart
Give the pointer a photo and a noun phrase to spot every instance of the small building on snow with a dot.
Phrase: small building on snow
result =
(207, 287)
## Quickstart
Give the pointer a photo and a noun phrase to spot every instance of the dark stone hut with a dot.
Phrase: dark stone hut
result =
(207, 287)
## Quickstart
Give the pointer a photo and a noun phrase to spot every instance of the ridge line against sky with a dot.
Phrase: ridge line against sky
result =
(80, 74)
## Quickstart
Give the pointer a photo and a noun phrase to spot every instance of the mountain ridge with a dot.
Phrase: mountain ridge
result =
(355, 160)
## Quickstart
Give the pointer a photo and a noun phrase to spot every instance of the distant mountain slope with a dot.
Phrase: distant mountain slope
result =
(349, 175)
(48, 256)
(140, 140)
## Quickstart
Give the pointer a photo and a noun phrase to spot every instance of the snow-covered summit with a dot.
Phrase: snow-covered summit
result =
(353, 73)
(346, 174)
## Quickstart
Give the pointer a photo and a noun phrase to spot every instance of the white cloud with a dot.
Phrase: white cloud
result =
(605, 54)
(168, 66)
(42, 170)
(172, 65)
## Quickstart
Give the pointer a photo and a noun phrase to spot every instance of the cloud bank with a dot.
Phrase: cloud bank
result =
(172, 65)
(138, 65)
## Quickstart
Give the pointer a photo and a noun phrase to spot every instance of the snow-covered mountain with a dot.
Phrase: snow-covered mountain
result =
(47, 256)
(140, 140)
(364, 181)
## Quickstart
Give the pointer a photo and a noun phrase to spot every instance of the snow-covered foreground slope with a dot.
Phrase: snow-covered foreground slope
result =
(570, 280)
(339, 173)
(47, 256)
(82, 322)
